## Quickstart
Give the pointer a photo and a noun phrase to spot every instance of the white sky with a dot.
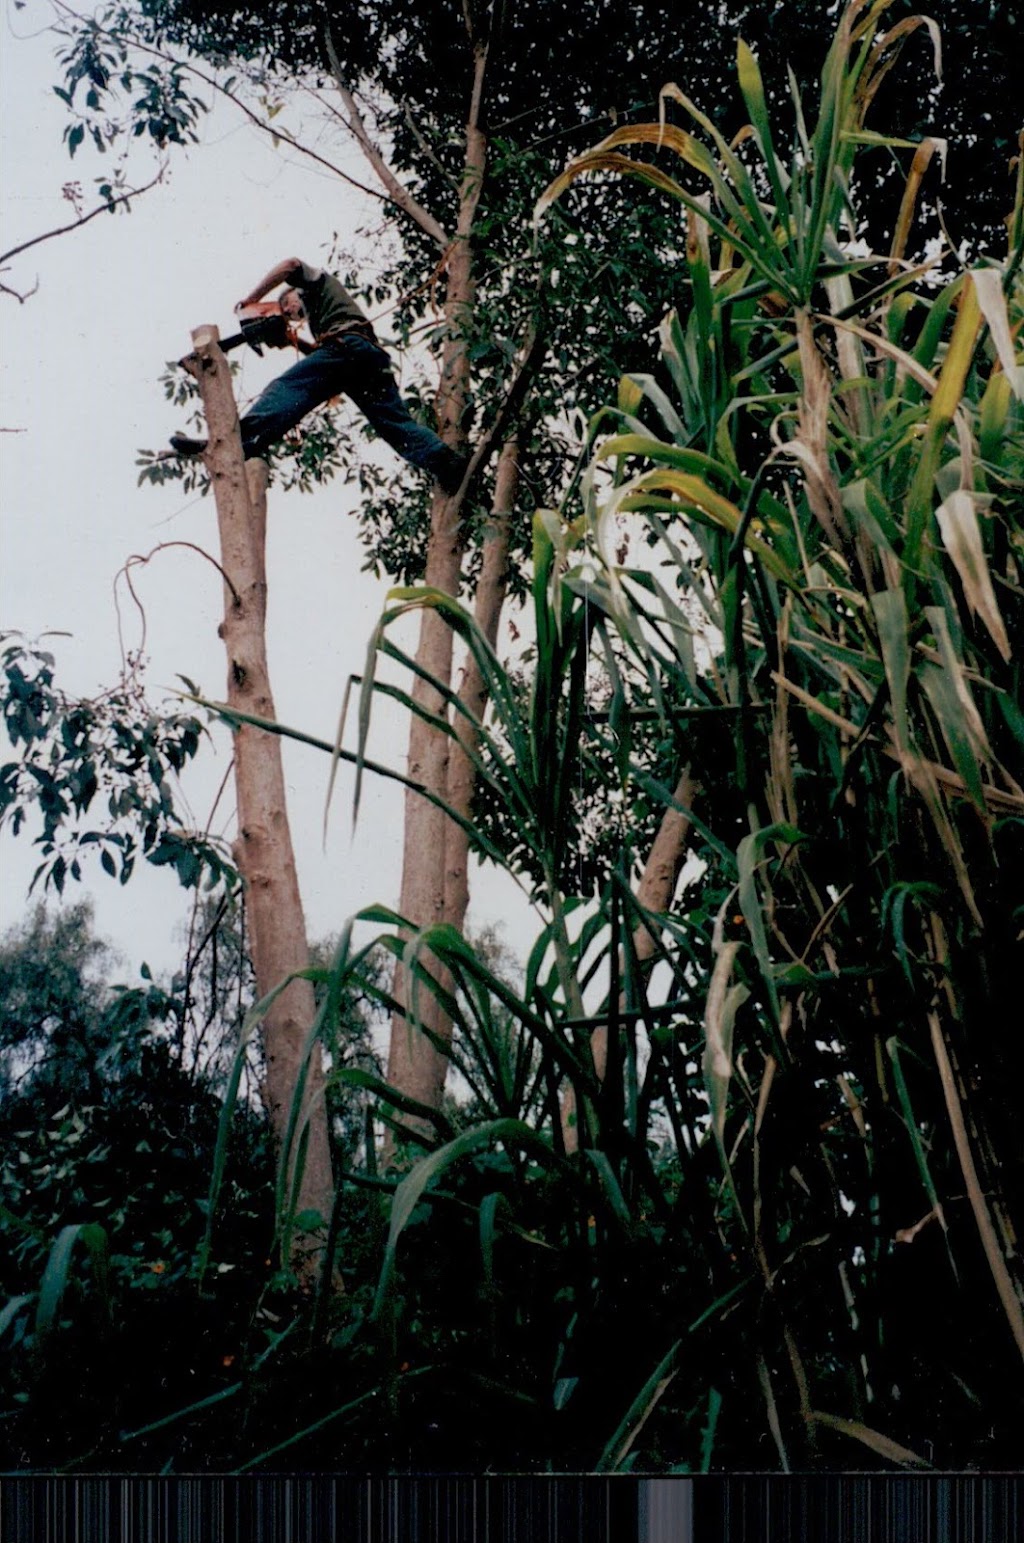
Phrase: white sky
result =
(79, 383)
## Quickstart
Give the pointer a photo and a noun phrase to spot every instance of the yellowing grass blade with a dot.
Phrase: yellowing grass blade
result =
(922, 159)
(695, 495)
(630, 394)
(988, 286)
(992, 417)
(882, 1445)
(724, 1001)
(596, 160)
(961, 536)
(941, 416)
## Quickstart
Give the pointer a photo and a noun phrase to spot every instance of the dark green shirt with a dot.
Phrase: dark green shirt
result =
(329, 306)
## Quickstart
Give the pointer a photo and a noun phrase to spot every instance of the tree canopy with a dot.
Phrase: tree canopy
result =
(558, 68)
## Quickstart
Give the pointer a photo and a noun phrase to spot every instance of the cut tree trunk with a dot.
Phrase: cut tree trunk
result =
(263, 850)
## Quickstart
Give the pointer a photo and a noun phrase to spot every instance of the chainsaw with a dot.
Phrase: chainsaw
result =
(264, 325)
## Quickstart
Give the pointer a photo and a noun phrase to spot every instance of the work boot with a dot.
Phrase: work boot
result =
(449, 478)
(183, 444)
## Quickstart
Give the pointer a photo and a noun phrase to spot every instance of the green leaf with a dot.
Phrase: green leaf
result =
(617, 1448)
(912, 1127)
(752, 87)
(948, 692)
(488, 1231)
(747, 860)
(355, 1077)
(723, 1002)
(11, 1311)
(890, 608)
(564, 1388)
(611, 1187)
(707, 1441)
(55, 1275)
(408, 1194)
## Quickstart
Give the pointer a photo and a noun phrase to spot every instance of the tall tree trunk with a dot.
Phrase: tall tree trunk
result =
(263, 849)
(434, 886)
(417, 1063)
(654, 893)
(490, 598)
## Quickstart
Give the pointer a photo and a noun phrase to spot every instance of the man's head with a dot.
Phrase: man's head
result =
(291, 305)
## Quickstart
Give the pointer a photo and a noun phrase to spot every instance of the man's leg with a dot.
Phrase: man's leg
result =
(371, 385)
(288, 399)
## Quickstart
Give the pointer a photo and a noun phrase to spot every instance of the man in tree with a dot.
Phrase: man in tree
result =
(346, 359)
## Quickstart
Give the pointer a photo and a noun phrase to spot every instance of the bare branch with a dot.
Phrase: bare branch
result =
(480, 58)
(397, 192)
(62, 230)
(530, 357)
(472, 184)
(137, 560)
(5, 289)
(424, 144)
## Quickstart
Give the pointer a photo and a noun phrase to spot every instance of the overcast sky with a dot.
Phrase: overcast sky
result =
(79, 379)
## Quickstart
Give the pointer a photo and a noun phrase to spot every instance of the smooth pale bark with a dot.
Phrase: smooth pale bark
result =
(490, 598)
(434, 885)
(658, 881)
(654, 894)
(263, 849)
(416, 1064)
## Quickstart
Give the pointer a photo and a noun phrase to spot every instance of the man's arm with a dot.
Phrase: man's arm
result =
(286, 272)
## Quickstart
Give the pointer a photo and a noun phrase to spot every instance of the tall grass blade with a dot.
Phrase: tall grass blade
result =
(960, 530)
(408, 1194)
(54, 1283)
(883, 1446)
(1006, 1289)
(639, 1411)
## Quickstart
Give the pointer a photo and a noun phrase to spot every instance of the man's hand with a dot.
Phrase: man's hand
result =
(286, 272)
(290, 339)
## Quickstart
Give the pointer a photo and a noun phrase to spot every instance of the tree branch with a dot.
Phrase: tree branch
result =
(397, 193)
(530, 356)
(5, 289)
(276, 134)
(424, 144)
(62, 230)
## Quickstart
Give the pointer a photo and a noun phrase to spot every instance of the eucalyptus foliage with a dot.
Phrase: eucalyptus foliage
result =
(99, 774)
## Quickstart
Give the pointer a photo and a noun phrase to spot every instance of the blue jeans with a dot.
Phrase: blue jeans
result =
(353, 366)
